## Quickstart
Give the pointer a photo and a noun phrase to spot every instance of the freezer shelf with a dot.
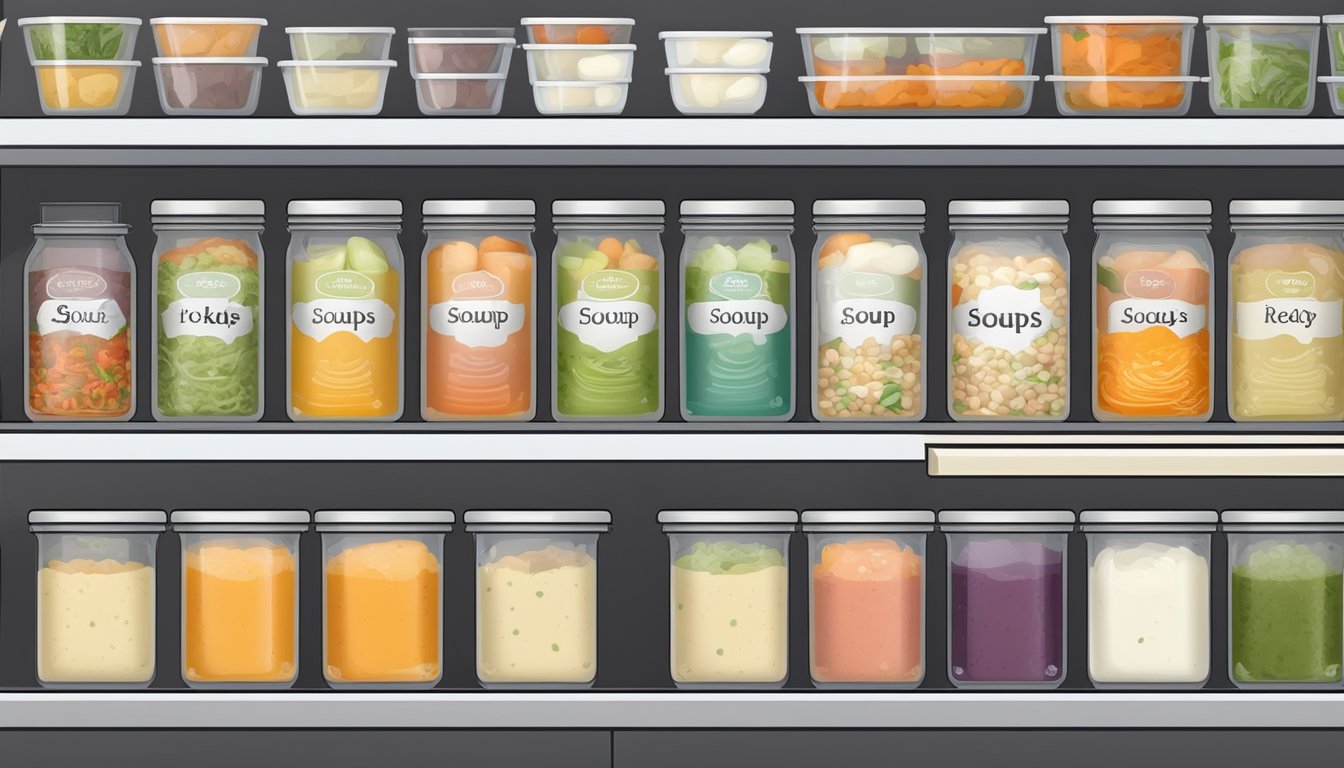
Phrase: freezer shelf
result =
(1147, 461)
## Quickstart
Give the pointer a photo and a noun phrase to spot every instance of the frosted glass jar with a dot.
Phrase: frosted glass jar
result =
(1148, 597)
(96, 597)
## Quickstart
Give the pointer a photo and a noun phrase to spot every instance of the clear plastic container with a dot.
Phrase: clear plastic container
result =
(460, 55)
(743, 51)
(1148, 611)
(479, 288)
(1127, 46)
(1007, 597)
(353, 44)
(79, 303)
(607, 339)
(536, 597)
(1123, 96)
(864, 51)
(1334, 85)
(717, 91)
(1008, 339)
(201, 86)
(240, 597)
(868, 311)
(730, 597)
(1285, 335)
(190, 37)
(579, 63)
(737, 299)
(460, 95)
(336, 87)
(85, 88)
(1152, 310)
(95, 597)
(578, 30)
(581, 98)
(80, 38)
(209, 294)
(1334, 30)
(866, 597)
(1263, 65)
(382, 597)
(345, 292)
(1285, 599)
(927, 95)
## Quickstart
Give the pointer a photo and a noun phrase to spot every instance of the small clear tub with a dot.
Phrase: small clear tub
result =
(460, 94)
(80, 38)
(1125, 46)
(1334, 84)
(1263, 65)
(211, 38)
(1334, 30)
(929, 95)
(336, 87)
(460, 55)
(581, 98)
(860, 51)
(91, 88)
(204, 86)
(579, 63)
(749, 51)
(353, 44)
(717, 91)
(578, 30)
(1123, 96)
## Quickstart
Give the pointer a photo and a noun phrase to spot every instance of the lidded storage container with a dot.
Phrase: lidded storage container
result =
(1263, 65)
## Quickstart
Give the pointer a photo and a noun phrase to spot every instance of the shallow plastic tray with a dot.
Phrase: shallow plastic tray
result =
(554, 98)
(340, 43)
(579, 63)
(580, 30)
(61, 90)
(460, 55)
(307, 83)
(1072, 93)
(206, 37)
(717, 91)
(918, 95)
(1125, 31)
(745, 51)
(460, 94)
(178, 80)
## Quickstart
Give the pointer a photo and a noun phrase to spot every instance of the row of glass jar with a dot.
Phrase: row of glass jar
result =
(1008, 317)
(536, 597)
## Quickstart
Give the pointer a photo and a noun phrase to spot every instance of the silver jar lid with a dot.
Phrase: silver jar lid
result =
(478, 208)
(746, 520)
(869, 208)
(207, 208)
(1183, 208)
(125, 520)
(1023, 520)
(1286, 212)
(431, 520)
(1052, 214)
(601, 208)
(1148, 519)
(84, 219)
(737, 208)
(821, 520)
(537, 520)
(1288, 520)
(345, 208)
(242, 520)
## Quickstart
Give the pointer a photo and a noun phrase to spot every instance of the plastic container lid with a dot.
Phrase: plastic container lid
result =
(1123, 79)
(429, 519)
(715, 35)
(683, 71)
(352, 64)
(1333, 19)
(340, 30)
(971, 518)
(728, 517)
(206, 20)
(85, 63)
(1286, 208)
(737, 208)
(1152, 208)
(1261, 518)
(879, 31)
(505, 41)
(97, 517)
(608, 207)
(1121, 20)
(459, 76)
(37, 20)
(576, 20)
(261, 517)
(235, 60)
(578, 47)
(1239, 20)
(526, 517)
(479, 208)
(1051, 208)
(344, 208)
(1148, 517)
(838, 517)
(81, 219)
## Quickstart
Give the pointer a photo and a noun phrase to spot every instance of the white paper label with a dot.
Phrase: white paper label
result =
(1304, 319)
(368, 319)
(86, 317)
(218, 318)
(1005, 317)
(857, 320)
(477, 324)
(757, 318)
(608, 325)
(1133, 315)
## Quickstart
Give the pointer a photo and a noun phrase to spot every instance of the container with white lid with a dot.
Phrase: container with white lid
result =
(85, 88)
(1007, 597)
(96, 600)
(209, 86)
(336, 87)
(536, 596)
(578, 30)
(709, 91)
(80, 38)
(382, 597)
(211, 37)
(748, 51)
(1148, 597)
(568, 63)
(1089, 46)
(867, 597)
(1263, 65)
(460, 55)
(1285, 598)
(729, 597)
(340, 43)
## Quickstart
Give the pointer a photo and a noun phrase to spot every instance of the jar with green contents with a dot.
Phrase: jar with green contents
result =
(1286, 601)
(737, 298)
(607, 338)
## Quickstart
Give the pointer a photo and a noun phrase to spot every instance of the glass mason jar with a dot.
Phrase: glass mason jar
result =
(1148, 597)
(1007, 597)
(382, 597)
(345, 293)
(729, 597)
(1152, 307)
(1285, 600)
(536, 596)
(866, 597)
(208, 293)
(607, 340)
(1008, 342)
(240, 597)
(96, 597)
(868, 310)
(1285, 336)
(737, 298)
(79, 301)
(479, 285)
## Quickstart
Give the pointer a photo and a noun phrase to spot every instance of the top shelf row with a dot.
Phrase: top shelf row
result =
(1103, 65)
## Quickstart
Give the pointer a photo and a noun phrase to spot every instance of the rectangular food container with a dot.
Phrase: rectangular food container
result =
(85, 87)
(579, 63)
(841, 51)
(80, 38)
(578, 30)
(932, 95)
(1123, 96)
(183, 37)
(748, 51)
(460, 94)
(336, 87)
(460, 55)
(1335, 85)
(1334, 29)
(204, 86)
(556, 98)
(1263, 65)
(717, 91)
(340, 43)
(1130, 46)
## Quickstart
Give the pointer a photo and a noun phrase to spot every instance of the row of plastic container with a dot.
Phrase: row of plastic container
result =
(1148, 597)
(1007, 311)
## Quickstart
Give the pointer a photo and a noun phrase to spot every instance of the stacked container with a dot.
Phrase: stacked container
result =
(85, 65)
(579, 66)
(338, 70)
(1262, 65)
(1122, 65)
(1334, 82)
(208, 66)
(717, 73)
(460, 71)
